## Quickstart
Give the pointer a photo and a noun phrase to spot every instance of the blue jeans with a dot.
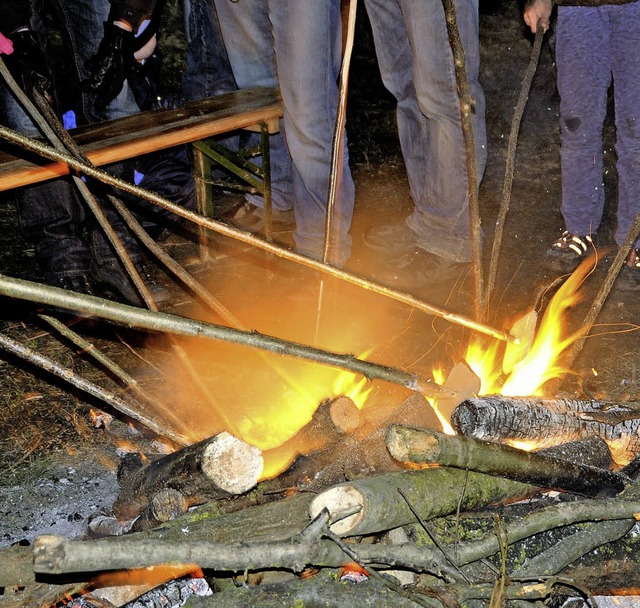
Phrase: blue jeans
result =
(208, 71)
(595, 45)
(296, 45)
(66, 239)
(416, 65)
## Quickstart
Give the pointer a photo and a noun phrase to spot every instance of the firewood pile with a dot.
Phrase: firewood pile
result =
(383, 509)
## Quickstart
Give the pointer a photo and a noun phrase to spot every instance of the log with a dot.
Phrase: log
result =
(344, 456)
(382, 499)
(328, 426)
(213, 468)
(430, 447)
(320, 591)
(551, 421)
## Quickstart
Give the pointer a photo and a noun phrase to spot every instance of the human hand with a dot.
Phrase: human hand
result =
(538, 11)
(111, 65)
(28, 65)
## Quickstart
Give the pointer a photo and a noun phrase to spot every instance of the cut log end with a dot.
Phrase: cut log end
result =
(404, 443)
(345, 414)
(337, 500)
(232, 465)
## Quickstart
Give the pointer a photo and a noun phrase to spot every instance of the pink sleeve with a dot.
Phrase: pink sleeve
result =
(6, 46)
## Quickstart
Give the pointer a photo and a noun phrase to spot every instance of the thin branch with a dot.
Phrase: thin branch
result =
(68, 375)
(510, 164)
(141, 318)
(246, 237)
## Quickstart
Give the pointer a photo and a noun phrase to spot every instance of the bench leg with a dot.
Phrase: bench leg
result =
(266, 178)
(204, 197)
(257, 179)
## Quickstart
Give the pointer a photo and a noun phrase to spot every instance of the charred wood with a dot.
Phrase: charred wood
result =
(551, 421)
(430, 447)
(213, 468)
(352, 447)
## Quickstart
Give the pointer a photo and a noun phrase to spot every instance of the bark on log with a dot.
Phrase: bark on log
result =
(213, 468)
(551, 421)
(346, 456)
(55, 555)
(319, 591)
(430, 447)
(382, 499)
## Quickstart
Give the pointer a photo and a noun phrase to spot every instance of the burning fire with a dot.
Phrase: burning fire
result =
(524, 368)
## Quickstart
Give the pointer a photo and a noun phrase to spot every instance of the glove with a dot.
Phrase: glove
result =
(28, 65)
(110, 66)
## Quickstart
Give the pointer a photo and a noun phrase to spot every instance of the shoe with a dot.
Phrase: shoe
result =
(417, 270)
(112, 283)
(250, 217)
(568, 251)
(629, 277)
(391, 238)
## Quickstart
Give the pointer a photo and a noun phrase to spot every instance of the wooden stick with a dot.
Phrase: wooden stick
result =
(54, 554)
(466, 109)
(68, 375)
(510, 164)
(430, 447)
(247, 237)
(132, 316)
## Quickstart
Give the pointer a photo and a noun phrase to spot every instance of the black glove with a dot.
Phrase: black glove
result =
(28, 65)
(111, 65)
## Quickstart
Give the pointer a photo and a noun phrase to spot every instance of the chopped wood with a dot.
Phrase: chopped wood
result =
(342, 456)
(382, 499)
(551, 421)
(216, 467)
(430, 447)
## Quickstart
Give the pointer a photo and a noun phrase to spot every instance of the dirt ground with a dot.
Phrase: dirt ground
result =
(56, 467)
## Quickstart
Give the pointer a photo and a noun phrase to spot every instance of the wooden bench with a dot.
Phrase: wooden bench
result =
(257, 109)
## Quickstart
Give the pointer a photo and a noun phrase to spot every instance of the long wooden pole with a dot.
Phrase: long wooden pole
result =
(246, 237)
(131, 316)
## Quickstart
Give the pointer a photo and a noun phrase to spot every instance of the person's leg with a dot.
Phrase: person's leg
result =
(49, 214)
(307, 40)
(583, 58)
(441, 217)
(247, 36)
(395, 61)
(208, 69)
(625, 41)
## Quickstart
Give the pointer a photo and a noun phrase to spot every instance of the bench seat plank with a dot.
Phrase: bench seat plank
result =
(131, 136)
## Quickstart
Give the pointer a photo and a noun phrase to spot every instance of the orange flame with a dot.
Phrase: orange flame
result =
(540, 361)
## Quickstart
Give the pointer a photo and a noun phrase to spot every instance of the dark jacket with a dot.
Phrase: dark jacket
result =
(14, 14)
